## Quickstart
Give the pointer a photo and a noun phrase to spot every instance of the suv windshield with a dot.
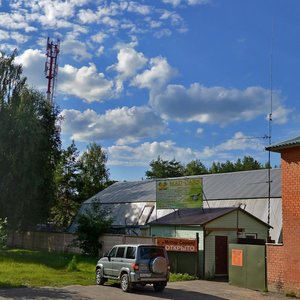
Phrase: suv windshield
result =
(150, 252)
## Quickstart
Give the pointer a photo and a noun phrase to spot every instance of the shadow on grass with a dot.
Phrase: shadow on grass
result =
(40, 293)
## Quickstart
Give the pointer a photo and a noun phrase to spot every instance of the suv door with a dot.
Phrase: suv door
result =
(108, 265)
(118, 261)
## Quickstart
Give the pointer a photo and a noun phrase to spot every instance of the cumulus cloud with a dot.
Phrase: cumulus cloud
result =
(157, 76)
(75, 47)
(144, 153)
(15, 21)
(85, 82)
(129, 62)
(33, 62)
(216, 105)
(239, 142)
(124, 125)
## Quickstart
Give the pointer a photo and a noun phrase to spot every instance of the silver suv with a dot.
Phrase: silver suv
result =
(135, 264)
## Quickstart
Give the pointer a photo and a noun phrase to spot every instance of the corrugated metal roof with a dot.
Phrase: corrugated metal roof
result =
(290, 143)
(237, 185)
(195, 216)
(198, 216)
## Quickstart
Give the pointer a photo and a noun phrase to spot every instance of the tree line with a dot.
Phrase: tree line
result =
(160, 168)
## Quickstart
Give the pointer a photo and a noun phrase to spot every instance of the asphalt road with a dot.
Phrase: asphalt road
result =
(188, 290)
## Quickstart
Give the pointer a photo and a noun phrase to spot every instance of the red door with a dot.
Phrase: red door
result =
(221, 255)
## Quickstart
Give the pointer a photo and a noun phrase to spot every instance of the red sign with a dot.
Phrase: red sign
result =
(178, 245)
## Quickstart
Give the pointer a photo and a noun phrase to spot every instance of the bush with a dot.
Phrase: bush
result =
(92, 223)
(181, 277)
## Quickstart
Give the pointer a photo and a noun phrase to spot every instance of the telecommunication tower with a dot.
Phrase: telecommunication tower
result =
(51, 67)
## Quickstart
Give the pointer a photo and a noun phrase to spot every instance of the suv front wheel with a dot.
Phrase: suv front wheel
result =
(100, 280)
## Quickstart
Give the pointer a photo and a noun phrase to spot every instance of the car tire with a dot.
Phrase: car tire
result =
(159, 286)
(125, 283)
(100, 280)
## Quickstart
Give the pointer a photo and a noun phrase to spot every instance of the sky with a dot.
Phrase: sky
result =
(179, 79)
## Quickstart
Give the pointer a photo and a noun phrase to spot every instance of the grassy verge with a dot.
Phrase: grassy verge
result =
(19, 268)
(26, 268)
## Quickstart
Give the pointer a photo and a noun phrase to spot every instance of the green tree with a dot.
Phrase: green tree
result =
(29, 149)
(93, 174)
(165, 169)
(195, 167)
(249, 163)
(92, 223)
(66, 178)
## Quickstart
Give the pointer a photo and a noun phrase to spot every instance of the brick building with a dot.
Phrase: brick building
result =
(283, 261)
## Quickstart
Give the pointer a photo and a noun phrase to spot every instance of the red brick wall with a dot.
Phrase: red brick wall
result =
(275, 267)
(290, 168)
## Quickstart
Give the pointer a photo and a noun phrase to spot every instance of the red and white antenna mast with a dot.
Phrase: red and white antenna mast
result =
(51, 67)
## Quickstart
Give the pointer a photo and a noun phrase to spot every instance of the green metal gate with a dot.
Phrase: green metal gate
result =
(247, 266)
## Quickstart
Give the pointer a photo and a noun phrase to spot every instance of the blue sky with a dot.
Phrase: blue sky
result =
(183, 79)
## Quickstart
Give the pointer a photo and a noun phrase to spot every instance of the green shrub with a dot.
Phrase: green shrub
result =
(92, 223)
(181, 277)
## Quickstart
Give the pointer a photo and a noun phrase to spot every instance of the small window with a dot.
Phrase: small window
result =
(251, 235)
(113, 252)
(150, 252)
(120, 252)
(131, 252)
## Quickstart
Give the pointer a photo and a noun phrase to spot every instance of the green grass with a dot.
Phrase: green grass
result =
(25, 268)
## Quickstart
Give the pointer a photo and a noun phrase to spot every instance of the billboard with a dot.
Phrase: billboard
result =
(179, 193)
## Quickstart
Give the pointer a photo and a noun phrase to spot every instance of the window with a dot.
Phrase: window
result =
(149, 252)
(112, 252)
(130, 252)
(120, 252)
(251, 235)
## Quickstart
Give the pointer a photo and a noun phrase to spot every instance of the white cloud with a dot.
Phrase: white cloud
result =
(33, 62)
(129, 62)
(199, 131)
(4, 35)
(19, 38)
(239, 142)
(139, 8)
(188, 2)
(216, 105)
(15, 21)
(85, 83)
(142, 154)
(157, 76)
(146, 152)
(124, 125)
(99, 37)
(75, 47)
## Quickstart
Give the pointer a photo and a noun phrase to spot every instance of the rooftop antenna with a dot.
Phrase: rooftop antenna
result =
(51, 67)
